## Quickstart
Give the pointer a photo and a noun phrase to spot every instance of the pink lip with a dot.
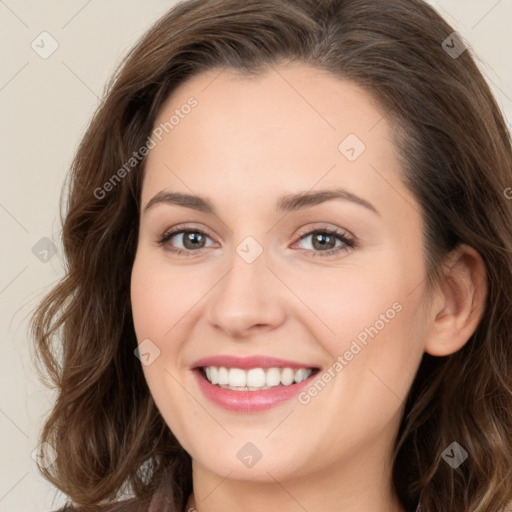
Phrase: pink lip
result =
(246, 363)
(249, 401)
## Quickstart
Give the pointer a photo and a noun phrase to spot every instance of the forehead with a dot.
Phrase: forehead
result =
(291, 128)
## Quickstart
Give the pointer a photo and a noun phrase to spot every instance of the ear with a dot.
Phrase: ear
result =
(459, 302)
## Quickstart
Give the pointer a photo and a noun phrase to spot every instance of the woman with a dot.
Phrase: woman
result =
(339, 338)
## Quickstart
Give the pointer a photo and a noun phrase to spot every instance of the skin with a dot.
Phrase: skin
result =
(333, 453)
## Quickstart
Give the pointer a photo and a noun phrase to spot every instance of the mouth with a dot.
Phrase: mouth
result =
(254, 379)
(251, 384)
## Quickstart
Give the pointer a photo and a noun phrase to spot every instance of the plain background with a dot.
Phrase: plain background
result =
(45, 107)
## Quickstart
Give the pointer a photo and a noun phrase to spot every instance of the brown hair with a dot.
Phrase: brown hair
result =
(456, 159)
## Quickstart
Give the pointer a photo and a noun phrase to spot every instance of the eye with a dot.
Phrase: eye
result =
(324, 242)
(192, 239)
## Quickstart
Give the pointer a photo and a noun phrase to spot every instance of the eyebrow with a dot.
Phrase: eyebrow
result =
(285, 204)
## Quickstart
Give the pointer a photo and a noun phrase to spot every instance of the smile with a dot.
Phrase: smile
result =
(255, 379)
(249, 384)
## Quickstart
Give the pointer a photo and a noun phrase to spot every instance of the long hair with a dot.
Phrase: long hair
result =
(456, 158)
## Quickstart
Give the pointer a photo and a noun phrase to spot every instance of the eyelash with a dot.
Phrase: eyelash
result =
(350, 243)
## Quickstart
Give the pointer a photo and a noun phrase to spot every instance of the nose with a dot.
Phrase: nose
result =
(248, 299)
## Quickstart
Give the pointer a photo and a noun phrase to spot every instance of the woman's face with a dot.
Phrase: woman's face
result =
(276, 266)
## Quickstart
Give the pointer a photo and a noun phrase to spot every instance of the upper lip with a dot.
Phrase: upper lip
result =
(229, 361)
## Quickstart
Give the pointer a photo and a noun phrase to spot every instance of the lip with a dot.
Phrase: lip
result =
(249, 401)
(246, 363)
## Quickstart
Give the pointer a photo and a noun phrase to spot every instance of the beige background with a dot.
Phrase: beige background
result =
(45, 105)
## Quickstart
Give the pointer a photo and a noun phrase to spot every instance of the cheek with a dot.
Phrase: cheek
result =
(152, 317)
(371, 316)
(344, 302)
(160, 296)
(164, 301)
(383, 347)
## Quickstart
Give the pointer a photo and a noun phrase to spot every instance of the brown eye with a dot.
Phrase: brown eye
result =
(324, 242)
(191, 240)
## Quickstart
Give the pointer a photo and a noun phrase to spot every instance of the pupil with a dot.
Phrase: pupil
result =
(191, 238)
(320, 238)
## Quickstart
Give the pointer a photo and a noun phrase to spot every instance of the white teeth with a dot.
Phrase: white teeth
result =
(237, 377)
(301, 375)
(211, 374)
(255, 379)
(287, 376)
(222, 376)
(273, 377)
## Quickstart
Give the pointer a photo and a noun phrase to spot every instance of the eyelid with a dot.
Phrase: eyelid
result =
(186, 227)
(178, 229)
(324, 227)
(350, 242)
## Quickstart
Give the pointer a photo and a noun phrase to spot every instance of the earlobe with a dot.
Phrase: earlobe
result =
(459, 303)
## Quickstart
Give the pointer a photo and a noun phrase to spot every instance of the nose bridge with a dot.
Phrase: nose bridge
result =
(245, 296)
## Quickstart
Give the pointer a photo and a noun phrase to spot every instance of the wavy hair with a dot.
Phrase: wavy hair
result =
(456, 158)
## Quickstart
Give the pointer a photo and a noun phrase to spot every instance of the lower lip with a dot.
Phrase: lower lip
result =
(249, 401)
